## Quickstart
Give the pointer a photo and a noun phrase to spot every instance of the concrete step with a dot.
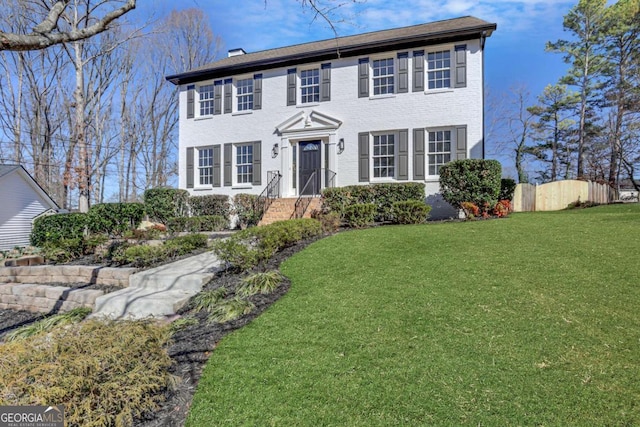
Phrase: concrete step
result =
(159, 291)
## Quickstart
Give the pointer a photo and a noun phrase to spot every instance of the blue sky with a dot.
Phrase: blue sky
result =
(514, 54)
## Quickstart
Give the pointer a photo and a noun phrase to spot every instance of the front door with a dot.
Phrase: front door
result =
(309, 163)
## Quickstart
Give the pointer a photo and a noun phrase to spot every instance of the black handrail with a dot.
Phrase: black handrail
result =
(270, 192)
(302, 203)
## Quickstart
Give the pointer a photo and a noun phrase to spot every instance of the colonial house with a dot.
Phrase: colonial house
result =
(23, 200)
(379, 107)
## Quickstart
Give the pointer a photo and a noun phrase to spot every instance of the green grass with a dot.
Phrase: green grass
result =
(530, 320)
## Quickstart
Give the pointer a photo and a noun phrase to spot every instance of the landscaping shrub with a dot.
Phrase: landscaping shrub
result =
(63, 250)
(140, 255)
(183, 245)
(105, 373)
(248, 248)
(245, 206)
(230, 309)
(195, 224)
(52, 228)
(410, 212)
(471, 180)
(502, 208)
(383, 196)
(360, 215)
(507, 188)
(207, 300)
(57, 320)
(471, 210)
(164, 203)
(151, 233)
(330, 221)
(213, 204)
(115, 218)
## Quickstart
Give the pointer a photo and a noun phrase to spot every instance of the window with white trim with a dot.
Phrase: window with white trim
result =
(310, 85)
(206, 99)
(439, 150)
(439, 69)
(205, 166)
(244, 163)
(244, 94)
(383, 76)
(384, 156)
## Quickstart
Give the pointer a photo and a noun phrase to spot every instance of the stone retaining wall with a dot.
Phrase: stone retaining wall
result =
(45, 299)
(67, 274)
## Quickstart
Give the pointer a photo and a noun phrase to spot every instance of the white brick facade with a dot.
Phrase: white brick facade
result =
(343, 118)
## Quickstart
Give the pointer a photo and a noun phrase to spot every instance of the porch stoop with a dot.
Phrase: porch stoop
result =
(282, 209)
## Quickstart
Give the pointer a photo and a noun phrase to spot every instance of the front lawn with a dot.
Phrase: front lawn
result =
(530, 320)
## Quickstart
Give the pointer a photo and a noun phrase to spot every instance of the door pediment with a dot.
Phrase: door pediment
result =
(308, 121)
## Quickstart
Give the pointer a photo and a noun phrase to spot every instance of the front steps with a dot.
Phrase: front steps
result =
(282, 209)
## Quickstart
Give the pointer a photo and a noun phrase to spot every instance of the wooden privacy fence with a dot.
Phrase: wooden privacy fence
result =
(554, 196)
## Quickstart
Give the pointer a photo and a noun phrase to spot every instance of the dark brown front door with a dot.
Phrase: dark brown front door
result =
(310, 163)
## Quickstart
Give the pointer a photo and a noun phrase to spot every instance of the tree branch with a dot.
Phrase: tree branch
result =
(44, 34)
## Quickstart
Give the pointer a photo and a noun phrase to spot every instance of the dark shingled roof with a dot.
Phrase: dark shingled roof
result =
(398, 38)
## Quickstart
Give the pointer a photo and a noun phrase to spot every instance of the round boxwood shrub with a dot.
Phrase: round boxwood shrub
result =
(410, 212)
(360, 215)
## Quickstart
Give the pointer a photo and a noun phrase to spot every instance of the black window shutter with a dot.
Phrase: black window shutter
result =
(461, 142)
(461, 66)
(257, 91)
(216, 165)
(363, 157)
(227, 95)
(257, 163)
(217, 97)
(418, 70)
(228, 162)
(363, 78)
(418, 154)
(403, 155)
(190, 171)
(403, 72)
(325, 82)
(190, 101)
(291, 86)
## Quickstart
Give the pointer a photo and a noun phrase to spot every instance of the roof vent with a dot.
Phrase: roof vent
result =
(236, 52)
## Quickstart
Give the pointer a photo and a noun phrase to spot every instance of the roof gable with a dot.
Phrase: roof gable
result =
(405, 37)
(6, 170)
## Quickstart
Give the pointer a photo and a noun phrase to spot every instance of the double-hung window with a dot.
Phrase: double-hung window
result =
(383, 76)
(310, 85)
(384, 156)
(244, 163)
(206, 99)
(205, 166)
(439, 69)
(244, 94)
(439, 150)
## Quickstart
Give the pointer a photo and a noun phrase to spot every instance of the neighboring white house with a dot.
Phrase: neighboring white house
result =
(22, 200)
(386, 106)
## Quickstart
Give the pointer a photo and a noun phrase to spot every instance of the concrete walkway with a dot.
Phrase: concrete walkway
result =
(160, 291)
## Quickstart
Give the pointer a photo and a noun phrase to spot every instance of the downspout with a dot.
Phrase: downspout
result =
(483, 39)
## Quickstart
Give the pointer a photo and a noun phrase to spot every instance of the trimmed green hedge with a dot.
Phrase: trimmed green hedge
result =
(115, 218)
(164, 203)
(213, 204)
(383, 196)
(360, 215)
(53, 228)
(248, 248)
(471, 180)
(410, 212)
(197, 223)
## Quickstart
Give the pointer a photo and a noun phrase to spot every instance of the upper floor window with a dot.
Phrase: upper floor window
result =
(383, 76)
(384, 156)
(310, 86)
(244, 94)
(206, 99)
(244, 163)
(205, 166)
(439, 150)
(439, 69)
